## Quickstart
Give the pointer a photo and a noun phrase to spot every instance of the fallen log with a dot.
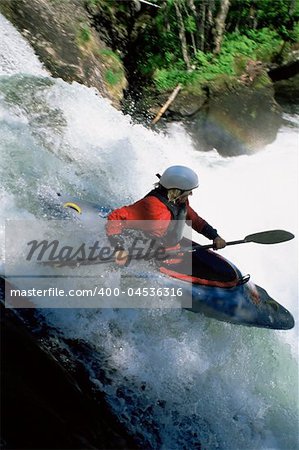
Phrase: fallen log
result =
(167, 104)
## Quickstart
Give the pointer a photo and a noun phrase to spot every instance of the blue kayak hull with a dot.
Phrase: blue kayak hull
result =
(248, 304)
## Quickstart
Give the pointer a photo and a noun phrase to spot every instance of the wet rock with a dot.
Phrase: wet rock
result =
(288, 69)
(188, 103)
(287, 94)
(237, 121)
(42, 404)
(64, 40)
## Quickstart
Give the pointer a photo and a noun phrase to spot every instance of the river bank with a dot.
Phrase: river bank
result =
(94, 45)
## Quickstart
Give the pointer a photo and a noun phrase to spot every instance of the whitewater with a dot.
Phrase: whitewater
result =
(175, 378)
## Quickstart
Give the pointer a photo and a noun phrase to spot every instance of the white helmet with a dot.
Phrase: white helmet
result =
(179, 177)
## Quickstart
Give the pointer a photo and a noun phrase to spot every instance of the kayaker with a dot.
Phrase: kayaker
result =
(167, 207)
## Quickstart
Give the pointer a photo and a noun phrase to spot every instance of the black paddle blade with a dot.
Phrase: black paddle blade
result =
(270, 237)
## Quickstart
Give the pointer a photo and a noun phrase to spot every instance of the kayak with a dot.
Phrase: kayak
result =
(234, 299)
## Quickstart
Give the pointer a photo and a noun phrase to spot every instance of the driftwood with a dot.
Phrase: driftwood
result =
(167, 104)
(148, 3)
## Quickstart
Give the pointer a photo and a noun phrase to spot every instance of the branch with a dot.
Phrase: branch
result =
(167, 104)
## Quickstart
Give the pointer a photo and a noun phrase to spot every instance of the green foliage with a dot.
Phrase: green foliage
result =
(255, 30)
(295, 33)
(114, 71)
(190, 24)
(279, 15)
(203, 59)
(236, 50)
(255, 44)
(106, 52)
(237, 44)
(268, 43)
(113, 76)
(92, 3)
(168, 79)
(84, 34)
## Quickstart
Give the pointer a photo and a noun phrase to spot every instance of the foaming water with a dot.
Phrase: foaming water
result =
(175, 378)
(179, 379)
(15, 53)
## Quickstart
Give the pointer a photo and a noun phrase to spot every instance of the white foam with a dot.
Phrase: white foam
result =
(16, 55)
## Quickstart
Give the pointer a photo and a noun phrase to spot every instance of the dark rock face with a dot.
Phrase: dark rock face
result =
(288, 68)
(61, 36)
(42, 404)
(236, 121)
(188, 104)
(287, 94)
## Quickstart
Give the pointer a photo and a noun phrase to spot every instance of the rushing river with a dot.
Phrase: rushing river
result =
(175, 378)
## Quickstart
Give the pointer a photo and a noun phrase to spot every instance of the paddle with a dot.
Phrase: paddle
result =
(263, 237)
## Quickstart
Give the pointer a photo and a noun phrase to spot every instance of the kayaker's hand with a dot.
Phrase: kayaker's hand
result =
(219, 243)
(121, 257)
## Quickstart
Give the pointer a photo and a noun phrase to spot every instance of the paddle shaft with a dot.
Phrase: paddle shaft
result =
(240, 241)
(264, 237)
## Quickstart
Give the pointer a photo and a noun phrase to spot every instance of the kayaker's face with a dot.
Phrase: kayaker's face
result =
(184, 197)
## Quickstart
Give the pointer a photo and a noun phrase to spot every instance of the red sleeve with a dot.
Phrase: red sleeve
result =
(148, 208)
(197, 222)
(200, 225)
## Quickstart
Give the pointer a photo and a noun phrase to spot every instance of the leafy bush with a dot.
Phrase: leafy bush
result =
(203, 59)
(268, 43)
(236, 50)
(167, 79)
(255, 30)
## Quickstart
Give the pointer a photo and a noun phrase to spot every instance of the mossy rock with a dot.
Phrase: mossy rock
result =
(64, 40)
(237, 122)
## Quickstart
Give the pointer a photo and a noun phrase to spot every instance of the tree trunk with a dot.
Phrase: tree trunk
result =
(182, 35)
(195, 41)
(202, 31)
(187, 13)
(209, 24)
(220, 25)
(165, 9)
(193, 44)
(253, 17)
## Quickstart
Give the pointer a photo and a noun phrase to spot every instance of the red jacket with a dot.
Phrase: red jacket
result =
(151, 209)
